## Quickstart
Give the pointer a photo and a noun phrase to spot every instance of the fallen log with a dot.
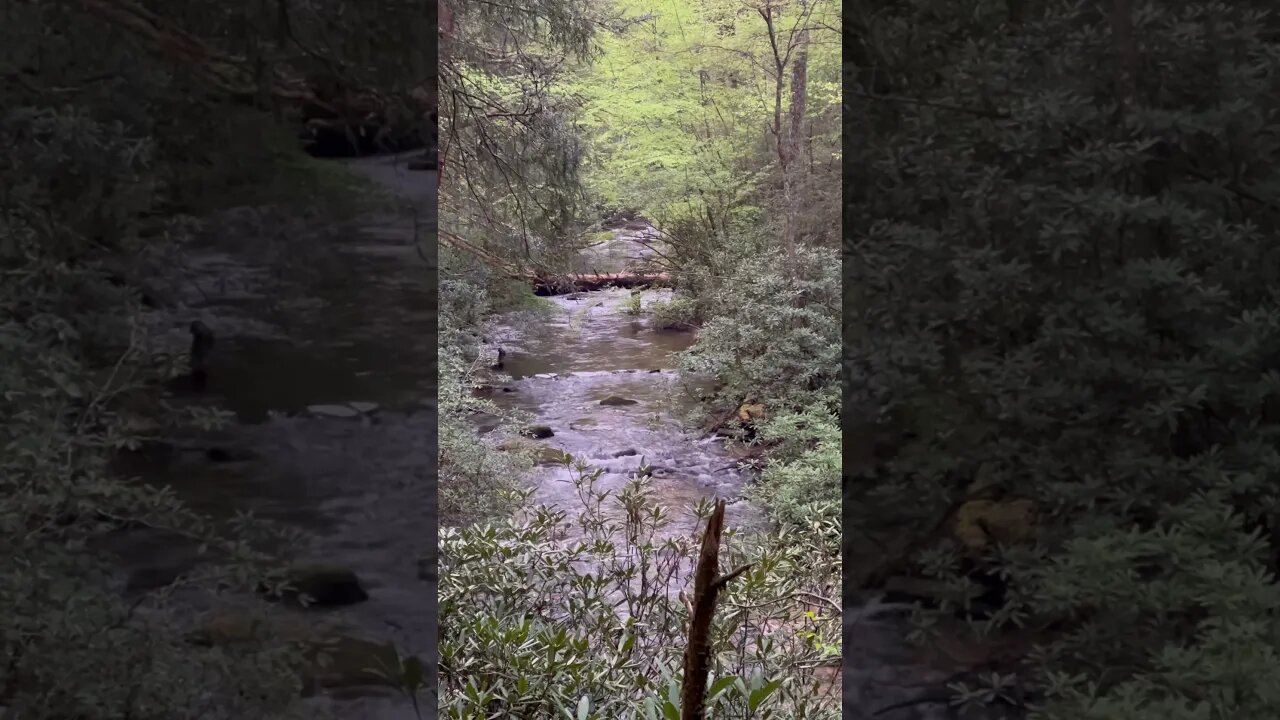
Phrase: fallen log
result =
(546, 284)
(582, 283)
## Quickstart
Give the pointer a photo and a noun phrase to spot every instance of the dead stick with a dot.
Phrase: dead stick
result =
(706, 587)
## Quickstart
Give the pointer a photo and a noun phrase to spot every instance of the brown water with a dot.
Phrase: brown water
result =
(306, 316)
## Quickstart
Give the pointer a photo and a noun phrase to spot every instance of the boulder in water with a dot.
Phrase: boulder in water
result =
(230, 627)
(337, 411)
(538, 432)
(552, 456)
(319, 586)
(616, 401)
(343, 661)
(626, 453)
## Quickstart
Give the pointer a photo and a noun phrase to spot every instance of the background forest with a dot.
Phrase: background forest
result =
(1063, 340)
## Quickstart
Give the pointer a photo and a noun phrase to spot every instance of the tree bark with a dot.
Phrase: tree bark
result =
(795, 141)
(706, 589)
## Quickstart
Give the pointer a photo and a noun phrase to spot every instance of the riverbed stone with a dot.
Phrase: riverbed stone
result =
(344, 661)
(616, 401)
(337, 411)
(319, 586)
(581, 423)
(539, 432)
(233, 627)
(548, 455)
(626, 453)
(330, 659)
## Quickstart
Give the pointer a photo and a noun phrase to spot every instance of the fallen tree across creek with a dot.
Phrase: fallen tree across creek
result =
(545, 283)
(560, 285)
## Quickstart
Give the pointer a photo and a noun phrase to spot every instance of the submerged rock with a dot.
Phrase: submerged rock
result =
(344, 661)
(338, 411)
(538, 432)
(551, 456)
(616, 401)
(319, 586)
(626, 453)
(343, 410)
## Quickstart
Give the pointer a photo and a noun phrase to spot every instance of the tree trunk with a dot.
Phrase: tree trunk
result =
(795, 140)
(706, 588)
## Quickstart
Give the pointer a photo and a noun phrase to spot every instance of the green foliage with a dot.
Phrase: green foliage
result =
(678, 108)
(801, 482)
(547, 618)
(511, 145)
(773, 338)
(476, 478)
(1070, 299)
(678, 313)
(633, 304)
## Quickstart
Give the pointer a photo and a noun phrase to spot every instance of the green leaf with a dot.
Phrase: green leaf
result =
(720, 685)
(762, 693)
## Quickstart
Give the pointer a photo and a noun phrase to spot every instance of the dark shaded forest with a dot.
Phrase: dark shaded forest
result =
(160, 193)
(1061, 344)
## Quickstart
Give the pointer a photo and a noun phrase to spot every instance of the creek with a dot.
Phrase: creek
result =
(325, 356)
(603, 381)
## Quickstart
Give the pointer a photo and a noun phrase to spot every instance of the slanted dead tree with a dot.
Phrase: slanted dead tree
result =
(707, 584)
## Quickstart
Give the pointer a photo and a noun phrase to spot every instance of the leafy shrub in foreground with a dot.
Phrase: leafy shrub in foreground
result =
(800, 483)
(773, 336)
(542, 616)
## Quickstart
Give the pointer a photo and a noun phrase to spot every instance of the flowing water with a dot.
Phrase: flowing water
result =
(328, 317)
(589, 350)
